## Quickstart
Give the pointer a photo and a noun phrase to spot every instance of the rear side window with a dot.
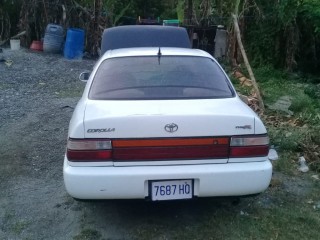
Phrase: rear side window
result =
(153, 78)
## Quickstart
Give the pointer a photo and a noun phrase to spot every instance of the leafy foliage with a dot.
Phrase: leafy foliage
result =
(9, 17)
(310, 9)
(285, 33)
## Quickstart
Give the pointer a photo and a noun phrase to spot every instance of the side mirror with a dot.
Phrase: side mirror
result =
(84, 76)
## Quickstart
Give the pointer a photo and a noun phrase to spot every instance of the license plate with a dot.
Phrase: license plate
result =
(171, 190)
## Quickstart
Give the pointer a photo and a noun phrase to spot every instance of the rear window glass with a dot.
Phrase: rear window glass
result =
(152, 78)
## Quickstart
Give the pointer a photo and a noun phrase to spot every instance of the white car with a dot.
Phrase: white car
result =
(163, 124)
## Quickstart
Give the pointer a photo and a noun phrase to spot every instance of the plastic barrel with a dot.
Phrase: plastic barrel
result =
(15, 44)
(73, 48)
(53, 39)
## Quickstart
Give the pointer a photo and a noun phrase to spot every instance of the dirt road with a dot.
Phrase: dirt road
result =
(37, 96)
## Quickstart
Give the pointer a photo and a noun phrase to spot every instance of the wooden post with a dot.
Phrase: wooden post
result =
(246, 61)
(189, 12)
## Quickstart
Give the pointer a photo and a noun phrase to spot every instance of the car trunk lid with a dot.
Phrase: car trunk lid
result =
(167, 118)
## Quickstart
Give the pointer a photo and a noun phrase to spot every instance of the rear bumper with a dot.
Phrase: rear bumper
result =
(232, 179)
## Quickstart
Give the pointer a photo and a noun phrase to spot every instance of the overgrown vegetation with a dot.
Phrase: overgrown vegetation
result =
(293, 131)
(284, 34)
(88, 234)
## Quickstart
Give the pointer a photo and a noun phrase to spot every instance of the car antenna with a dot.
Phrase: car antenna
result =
(159, 55)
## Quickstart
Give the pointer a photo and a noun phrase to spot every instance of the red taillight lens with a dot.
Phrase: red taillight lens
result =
(249, 146)
(170, 153)
(256, 151)
(171, 142)
(170, 149)
(79, 150)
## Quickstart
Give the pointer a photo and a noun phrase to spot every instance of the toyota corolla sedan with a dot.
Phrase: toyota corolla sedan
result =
(163, 124)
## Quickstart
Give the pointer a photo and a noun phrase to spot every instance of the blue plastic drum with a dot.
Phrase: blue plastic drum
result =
(53, 39)
(73, 48)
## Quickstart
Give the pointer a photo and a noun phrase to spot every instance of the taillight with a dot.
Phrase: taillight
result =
(80, 150)
(98, 150)
(249, 146)
(170, 149)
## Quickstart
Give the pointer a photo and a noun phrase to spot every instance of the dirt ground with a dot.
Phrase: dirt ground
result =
(37, 95)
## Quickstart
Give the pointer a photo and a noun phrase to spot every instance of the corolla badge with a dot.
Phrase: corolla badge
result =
(172, 127)
(101, 130)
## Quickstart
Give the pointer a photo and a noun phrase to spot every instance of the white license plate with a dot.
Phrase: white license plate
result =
(171, 190)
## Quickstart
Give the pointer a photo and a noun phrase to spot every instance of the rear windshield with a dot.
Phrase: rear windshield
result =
(153, 78)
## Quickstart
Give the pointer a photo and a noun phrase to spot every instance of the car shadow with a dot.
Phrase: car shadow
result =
(146, 219)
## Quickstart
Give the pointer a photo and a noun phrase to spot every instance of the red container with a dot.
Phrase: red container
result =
(36, 45)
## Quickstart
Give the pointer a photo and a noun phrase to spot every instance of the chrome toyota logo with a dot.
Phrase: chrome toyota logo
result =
(172, 127)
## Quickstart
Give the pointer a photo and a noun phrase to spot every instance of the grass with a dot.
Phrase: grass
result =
(287, 162)
(291, 218)
(72, 90)
(4, 86)
(274, 84)
(19, 226)
(70, 93)
(290, 134)
(88, 234)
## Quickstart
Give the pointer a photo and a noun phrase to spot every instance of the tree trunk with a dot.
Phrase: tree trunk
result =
(189, 12)
(246, 61)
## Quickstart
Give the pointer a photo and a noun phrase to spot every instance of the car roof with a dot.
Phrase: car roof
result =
(153, 51)
(144, 36)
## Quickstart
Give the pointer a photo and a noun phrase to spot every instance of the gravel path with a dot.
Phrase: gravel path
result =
(37, 95)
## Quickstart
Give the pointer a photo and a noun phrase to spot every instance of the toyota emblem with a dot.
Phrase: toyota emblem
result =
(172, 127)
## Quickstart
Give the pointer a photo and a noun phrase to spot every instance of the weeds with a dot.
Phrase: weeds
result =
(19, 226)
(281, 215)
(294, 134)
(301, 102)
(88, 234)
(70, 93)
